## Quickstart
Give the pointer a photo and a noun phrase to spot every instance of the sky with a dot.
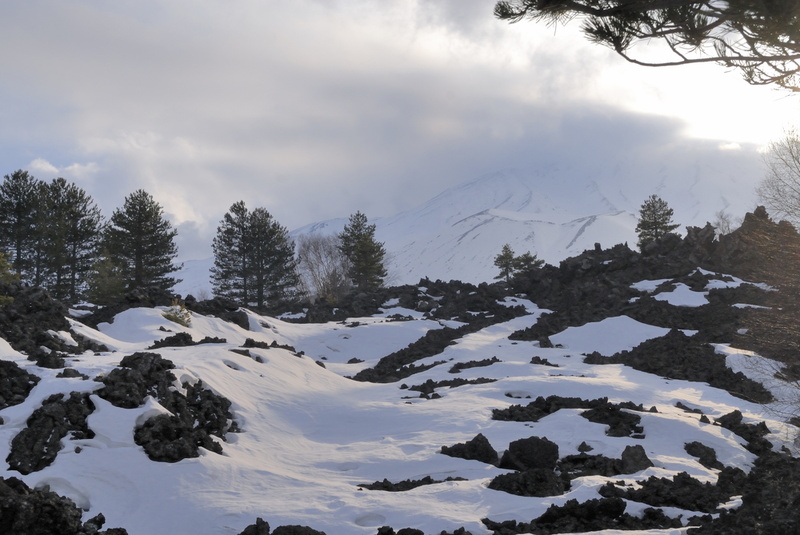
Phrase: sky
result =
(314, 109)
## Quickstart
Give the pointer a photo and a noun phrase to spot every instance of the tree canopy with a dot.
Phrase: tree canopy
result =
(143, 242)
(511, 265)
(761, 38)
(20, 202)
(655, 220)
(364, 254)
(253, 257)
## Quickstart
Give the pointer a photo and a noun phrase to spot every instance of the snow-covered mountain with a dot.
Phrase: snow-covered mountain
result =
(555, 212)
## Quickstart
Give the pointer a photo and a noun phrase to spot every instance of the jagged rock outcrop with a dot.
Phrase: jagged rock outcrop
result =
(220, 307)
(26, 321)
(531, 452)
(678, 356)
(538, 482)
(475, 449)
(15, 384)
(37, 445)
(592, 515)
(25, 511)
(196, 416)
(407, 484)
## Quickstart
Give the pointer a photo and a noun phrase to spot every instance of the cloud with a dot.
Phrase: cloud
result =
(40, 165)
(314, 108)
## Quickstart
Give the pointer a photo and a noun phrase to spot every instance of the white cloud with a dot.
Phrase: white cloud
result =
(40, 165)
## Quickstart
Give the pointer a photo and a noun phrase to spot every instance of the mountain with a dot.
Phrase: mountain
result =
(554, 212)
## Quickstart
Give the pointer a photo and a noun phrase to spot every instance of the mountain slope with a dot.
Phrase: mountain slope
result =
(554, 212)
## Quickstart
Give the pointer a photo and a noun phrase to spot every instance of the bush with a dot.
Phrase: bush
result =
(177, 312)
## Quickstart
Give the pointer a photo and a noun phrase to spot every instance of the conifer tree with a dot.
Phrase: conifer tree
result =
(105, 281)
(511, 266)
(231, 261)
(273, 268)
(69, 238)
(253, 257)
(364, 253)
(505, 262)
(655, 221)
(6, 277)
(143, 242)
(20, 203)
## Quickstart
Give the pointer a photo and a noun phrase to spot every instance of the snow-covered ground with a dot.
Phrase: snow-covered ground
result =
(310, 435)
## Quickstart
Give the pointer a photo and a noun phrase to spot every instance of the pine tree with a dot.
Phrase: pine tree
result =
(526, 263)
(6, 277)
(105, 281)
(655, 221)
(20, 219)
(364, 253)
(143, 242)
(510, 265)
(231, 262)
(273, 268)
(70, 239)
(505, 262)
(253, 257)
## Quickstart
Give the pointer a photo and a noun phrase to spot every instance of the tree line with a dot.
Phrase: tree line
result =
(53, 235)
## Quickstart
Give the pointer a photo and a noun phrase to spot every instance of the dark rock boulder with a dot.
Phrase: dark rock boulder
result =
(406, 484)
(634, 459)
(592, 515)
(196, 416)
(260, 527)
(682, 491)
(678, 356)
(753, 433)
(222, 308)
(705, 455)
(26, 321)
(37, 445)
(476, 449)
(15, 384)
(25, 511)
(619, 422)
(296, 530)
(532, 482)
(139, 375)
(770, 500)
(530, 453)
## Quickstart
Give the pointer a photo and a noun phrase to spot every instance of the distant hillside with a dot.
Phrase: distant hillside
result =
(556, 212)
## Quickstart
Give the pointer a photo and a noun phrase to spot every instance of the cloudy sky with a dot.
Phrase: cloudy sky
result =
(314, 109)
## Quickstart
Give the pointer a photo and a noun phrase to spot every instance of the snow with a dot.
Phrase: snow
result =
(311, 435)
